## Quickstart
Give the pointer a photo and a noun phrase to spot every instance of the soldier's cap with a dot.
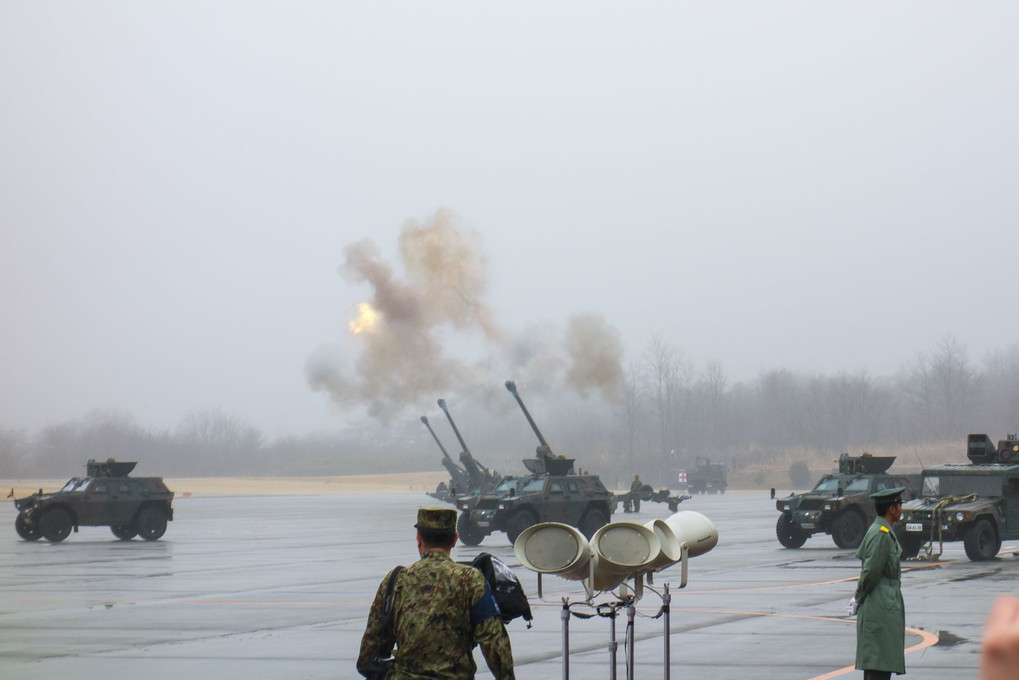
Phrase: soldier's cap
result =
(889, 495)
(436, 519)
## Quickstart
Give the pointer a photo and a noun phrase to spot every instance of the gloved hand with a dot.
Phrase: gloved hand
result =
(853, 606)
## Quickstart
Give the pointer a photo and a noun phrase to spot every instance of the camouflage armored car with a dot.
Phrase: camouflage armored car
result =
(977, 504)
(840, 503)
(106, 496)
(553, 492)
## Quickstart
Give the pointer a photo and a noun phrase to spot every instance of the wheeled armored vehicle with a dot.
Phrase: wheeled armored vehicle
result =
(553, 492)
(977, 503)
(105, 496)
(840, 503)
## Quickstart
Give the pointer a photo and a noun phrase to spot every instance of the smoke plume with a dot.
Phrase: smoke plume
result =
(406, 325)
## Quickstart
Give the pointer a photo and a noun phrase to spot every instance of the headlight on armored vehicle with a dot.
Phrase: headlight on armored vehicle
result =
(959, 516)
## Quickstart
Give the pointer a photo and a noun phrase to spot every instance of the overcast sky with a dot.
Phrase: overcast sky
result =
(815, 186)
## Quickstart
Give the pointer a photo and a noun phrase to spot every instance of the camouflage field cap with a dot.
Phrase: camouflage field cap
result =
(436, 519)
(889, 495)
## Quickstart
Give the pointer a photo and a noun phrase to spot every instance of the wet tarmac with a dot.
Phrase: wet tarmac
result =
(279, 587)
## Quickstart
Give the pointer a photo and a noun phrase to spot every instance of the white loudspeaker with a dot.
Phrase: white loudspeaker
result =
(694, 529)
(554, 548)
(622, 549)
(672, 549)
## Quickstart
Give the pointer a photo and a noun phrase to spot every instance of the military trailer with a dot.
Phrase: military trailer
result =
(706, 477)
(977, 503)
(105, 496)
(553, 492)
(840, 503)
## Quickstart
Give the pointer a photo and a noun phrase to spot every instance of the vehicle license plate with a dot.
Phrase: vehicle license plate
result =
(483, 524)
(807, 525)
(914, 526)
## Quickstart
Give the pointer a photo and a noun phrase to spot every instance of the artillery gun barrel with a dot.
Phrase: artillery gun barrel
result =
(456, 430)
(436, 438)
(512, 387)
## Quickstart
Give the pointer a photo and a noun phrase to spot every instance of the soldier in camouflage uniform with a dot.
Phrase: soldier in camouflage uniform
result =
(440, 611)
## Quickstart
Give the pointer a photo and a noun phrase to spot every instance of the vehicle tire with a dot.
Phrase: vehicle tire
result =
(470, 533)
(789, 535)
(26, 532)
(151, 523)
(519, 521)
(591, 521)
(56, 525)
(848, 528)
(910, 543)
(981, 541)
(124, 532)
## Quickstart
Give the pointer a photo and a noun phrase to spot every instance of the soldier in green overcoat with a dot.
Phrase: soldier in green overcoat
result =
(881, 619)
(441, 610)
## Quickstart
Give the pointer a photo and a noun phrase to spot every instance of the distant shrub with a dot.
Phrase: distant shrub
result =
(799, 474)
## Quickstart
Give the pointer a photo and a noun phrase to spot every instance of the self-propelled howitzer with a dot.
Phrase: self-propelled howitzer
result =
(553, 492)
(458, 477)
(480, 478)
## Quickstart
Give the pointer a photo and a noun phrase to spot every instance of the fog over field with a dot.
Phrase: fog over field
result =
(243, 235)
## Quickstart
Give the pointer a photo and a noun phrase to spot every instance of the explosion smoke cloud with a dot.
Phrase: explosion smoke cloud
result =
(402, 362)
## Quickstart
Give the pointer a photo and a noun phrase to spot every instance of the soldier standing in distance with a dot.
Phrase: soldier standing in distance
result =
(440, 611)
(635, 492)
(881, 624)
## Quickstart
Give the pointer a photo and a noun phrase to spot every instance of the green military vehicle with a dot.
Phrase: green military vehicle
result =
(977, 503)
(706, 477)
(840, 504)
(105, 497)
(553, 492)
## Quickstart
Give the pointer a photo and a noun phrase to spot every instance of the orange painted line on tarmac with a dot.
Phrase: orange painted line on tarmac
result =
(927, 640)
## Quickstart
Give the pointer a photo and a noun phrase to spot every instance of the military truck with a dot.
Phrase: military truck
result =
(106, 497)
(976, 503)
(840, 503)
(706, 477)
(470, 478)
(553, 492)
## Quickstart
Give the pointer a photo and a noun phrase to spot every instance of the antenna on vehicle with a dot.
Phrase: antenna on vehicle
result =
(916, 453)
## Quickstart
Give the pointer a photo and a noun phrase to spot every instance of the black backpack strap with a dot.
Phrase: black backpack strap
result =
(387, 607)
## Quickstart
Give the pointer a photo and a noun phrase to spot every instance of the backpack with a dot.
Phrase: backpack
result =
(506, 588)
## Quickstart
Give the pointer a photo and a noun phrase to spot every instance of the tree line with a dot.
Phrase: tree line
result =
(669, 412)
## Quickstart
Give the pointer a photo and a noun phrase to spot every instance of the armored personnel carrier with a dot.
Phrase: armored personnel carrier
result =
(553, 492)
(840, 504)
(977, 503)
(470, 477)
(706, 477)
(105, 497)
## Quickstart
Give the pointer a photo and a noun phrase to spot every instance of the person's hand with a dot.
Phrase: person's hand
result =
(853, 606)
(999, 658)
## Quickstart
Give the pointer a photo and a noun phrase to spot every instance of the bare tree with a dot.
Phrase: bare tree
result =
(663, 363)
(218, 443)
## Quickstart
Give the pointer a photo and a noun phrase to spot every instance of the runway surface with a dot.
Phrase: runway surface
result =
(279, 588)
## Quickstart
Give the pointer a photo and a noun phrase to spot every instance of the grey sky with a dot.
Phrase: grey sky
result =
(818, 186)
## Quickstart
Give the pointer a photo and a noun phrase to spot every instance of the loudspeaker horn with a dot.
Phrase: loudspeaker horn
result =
(554, 548)
(694, 529)
(622, 550)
